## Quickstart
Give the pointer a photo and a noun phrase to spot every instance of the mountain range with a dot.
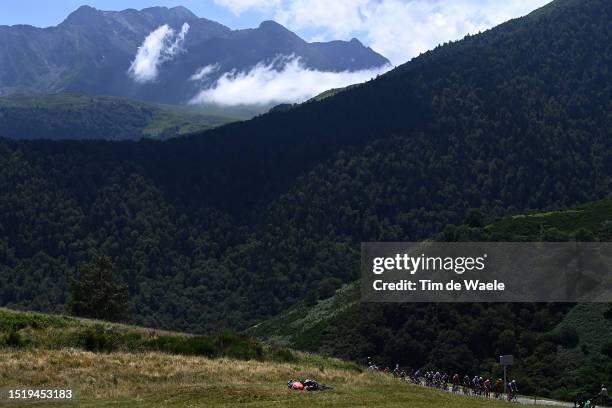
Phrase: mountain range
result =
(94, 52)
(224, 218)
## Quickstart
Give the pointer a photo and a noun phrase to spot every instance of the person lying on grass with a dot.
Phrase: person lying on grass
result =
(307, 384)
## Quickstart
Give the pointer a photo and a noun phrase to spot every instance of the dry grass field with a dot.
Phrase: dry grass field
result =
(107, 364)
(156, 379)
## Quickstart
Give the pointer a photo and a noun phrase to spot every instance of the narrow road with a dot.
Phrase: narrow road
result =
(530, 400)
(538, 401)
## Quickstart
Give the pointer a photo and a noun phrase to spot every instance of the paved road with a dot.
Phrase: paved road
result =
(532, 401)
(527, 400)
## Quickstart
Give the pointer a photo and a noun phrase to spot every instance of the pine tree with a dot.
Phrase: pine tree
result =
(99, 293)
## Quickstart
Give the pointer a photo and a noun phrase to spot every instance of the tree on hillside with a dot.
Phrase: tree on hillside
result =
(99, 292)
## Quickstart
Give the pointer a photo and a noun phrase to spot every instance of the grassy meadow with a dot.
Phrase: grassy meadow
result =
(108, 364)
(156, 379)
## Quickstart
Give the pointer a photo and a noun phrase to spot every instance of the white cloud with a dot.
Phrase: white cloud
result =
(239, 6)
(160, 45)
(204, 72)
(401, 30)
(266, 83)
(398, 29)
(339, 17)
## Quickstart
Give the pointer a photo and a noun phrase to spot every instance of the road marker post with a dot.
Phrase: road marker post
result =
(506, 361)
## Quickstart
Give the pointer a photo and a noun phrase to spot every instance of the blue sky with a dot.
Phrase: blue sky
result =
(398, 29)
(44, 13)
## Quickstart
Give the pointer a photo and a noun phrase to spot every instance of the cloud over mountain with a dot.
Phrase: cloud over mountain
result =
(158, 54)
(160, 45)
(398, 29)
(204, 72)
(285, 79)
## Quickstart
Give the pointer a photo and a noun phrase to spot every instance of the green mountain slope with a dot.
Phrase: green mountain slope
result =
(294, 326)
(559, 346)
(299, 323)
(595, 217)
(29, 330)
(224, 228)
(593, 327)
(84, 117)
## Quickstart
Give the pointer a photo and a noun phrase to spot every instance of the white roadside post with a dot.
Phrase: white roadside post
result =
(505, 361)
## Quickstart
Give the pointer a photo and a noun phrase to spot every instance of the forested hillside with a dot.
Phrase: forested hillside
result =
(560, 348)
(84, 117)
(222, 229)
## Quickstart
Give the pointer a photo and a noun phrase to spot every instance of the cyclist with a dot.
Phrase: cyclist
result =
(396, 371)
(437, 379)
(466, 384)
(416, 377)
(499, 387)
(514, 387)
(456, 382)
(512, 390)
(476, 384)
(444, 381)
(487, 388)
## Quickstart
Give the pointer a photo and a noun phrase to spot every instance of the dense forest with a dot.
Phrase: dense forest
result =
(223, 228)
(560, 348)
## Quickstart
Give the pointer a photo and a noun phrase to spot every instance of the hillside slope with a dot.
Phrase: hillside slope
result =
(555, 345)
(161, 380)
(224, 228)
(136, 377)
(85, 117)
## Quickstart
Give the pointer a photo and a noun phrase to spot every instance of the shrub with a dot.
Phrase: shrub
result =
(584, 235)
(283, 355)
(98, 339)
(14, 339)
(201, 346)
(327, 287)
(14, 321)
(196, 345)
(238, 346)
